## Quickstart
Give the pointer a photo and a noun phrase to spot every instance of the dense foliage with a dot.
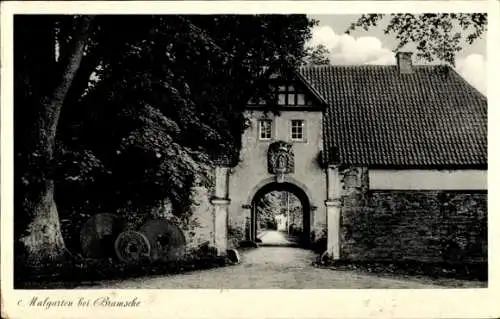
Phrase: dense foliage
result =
(279, 202)
(156, 100)
(170, 96)
(317, 55)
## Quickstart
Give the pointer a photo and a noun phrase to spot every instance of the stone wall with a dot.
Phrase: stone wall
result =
(199, 228)
(423, 225)
(203, 218)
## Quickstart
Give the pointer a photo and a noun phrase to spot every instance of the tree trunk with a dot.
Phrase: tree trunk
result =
(40, 238)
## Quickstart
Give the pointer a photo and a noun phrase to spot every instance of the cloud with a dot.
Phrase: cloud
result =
(473, 69)
(345, 49)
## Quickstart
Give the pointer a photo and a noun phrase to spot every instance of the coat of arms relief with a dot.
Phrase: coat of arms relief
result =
(280, 160)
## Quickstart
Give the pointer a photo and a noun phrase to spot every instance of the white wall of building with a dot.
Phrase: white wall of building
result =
(407, 179)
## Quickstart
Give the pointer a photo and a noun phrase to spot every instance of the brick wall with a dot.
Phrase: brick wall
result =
(430, 226)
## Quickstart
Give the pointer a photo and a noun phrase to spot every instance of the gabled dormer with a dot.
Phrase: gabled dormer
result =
(290, 91)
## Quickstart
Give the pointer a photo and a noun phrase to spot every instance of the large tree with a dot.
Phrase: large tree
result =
(41, 86)
(125, 111)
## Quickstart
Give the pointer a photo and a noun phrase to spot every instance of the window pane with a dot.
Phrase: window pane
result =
(281, 99)
(291, 99)
(291, 88)
(265, 129)
(301, 99)
(297, 130)
(282, 88)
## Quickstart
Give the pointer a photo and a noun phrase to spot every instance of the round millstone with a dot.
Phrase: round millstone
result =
(98, 234)
(132, 247)
(168, 242)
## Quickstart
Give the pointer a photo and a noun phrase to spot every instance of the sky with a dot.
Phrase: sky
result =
(375, 47)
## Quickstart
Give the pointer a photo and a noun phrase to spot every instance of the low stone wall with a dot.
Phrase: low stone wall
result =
(203, 218)
(427, 226)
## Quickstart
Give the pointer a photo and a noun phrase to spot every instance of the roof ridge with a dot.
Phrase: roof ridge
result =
(367, 66)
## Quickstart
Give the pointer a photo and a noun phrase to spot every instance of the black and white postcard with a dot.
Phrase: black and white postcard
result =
(207, 159)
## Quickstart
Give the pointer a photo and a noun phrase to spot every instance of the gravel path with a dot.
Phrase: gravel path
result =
(272, 237)
(264, 268)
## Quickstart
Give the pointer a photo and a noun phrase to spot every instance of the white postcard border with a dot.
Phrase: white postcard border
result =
(342, 303)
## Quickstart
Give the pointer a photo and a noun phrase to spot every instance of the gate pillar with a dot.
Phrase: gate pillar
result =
(333, 211)
(333, 226)
(221, 203)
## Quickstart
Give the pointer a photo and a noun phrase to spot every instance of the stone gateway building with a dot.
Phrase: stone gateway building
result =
(389, 163)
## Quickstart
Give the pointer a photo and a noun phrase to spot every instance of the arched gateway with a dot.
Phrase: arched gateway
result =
(360, 142)
(279, 152)
(292, 188)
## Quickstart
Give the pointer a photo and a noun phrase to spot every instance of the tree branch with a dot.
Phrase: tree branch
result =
(53, 104)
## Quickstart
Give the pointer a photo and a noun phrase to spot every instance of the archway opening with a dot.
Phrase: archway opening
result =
(280, 216)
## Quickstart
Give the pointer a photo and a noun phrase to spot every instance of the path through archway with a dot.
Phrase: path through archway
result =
(280, 215)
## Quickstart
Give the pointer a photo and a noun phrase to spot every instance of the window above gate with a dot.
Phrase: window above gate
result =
(265, 129)
(297, 131)
(289, 94)
(285, 94)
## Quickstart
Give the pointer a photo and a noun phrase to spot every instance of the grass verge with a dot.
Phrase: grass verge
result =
(72, 274)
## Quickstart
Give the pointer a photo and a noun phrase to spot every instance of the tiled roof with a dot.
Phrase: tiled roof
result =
(379, 117)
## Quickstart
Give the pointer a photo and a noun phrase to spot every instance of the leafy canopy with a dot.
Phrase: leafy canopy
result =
(438, 36)
(317, 55)
(156, 102)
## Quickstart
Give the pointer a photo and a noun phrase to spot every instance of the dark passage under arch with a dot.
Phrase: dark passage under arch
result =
(304, 239)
